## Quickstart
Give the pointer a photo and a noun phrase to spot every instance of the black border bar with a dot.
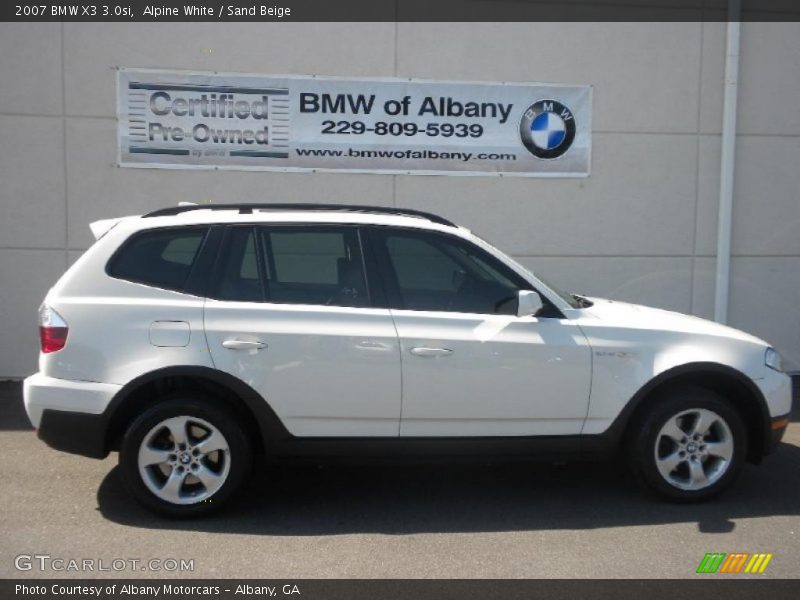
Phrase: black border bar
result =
(706, 586)
(396, 10)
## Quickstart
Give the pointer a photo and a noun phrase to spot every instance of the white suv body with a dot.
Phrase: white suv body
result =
(349, 331)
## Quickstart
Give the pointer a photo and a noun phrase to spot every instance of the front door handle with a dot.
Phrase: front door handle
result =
(428, 352)
(243, 344)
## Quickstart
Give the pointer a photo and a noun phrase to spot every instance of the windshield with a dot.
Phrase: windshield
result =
(573, 300)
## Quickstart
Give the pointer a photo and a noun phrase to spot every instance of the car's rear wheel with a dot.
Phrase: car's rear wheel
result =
(185, 456)
(689, 446)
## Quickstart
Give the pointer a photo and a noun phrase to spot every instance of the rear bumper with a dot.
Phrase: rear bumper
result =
(69, 415)
(73, 432)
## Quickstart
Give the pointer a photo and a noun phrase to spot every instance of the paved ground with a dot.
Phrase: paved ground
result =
(465, 521)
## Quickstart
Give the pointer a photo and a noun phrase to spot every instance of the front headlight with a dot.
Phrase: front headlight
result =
(773, 360)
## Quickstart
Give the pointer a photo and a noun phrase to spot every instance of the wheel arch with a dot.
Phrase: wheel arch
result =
(262, 423)
(726, 381)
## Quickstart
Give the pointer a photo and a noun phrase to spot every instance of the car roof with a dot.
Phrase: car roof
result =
(208, 214)
(276, 213)
(249, 208)
(208, 217)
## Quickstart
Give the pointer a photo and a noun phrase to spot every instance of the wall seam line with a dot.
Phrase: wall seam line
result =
(697, 169)
(64, 148)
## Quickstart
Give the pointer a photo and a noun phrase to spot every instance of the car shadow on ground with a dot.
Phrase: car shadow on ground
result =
(12, 410)
(400, 500)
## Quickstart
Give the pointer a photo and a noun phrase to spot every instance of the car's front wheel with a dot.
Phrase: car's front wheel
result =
(690, 445)
(184, 456)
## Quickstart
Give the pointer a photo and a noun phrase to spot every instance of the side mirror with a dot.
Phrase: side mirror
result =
(528, 303)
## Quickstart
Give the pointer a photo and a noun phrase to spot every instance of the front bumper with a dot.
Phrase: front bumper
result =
(777, 430)
(776, 389)
(69, 415)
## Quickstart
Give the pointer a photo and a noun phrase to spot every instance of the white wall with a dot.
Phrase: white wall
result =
(641, 228)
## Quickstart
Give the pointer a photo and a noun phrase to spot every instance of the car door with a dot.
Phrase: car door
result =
(291, 314)
(470, 366)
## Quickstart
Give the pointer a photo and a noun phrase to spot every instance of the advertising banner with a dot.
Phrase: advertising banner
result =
(179, 119)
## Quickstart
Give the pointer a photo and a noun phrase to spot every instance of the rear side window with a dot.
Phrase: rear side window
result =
(240, 280)
(308, 257)
(320, 265)
(160, 258)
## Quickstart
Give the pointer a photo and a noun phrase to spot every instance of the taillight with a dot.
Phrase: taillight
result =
(53, 330)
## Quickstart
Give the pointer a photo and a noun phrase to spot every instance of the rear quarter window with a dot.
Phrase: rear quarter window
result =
(160, 258)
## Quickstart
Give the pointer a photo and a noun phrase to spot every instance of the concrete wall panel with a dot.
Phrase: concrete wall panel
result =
(30, 68)
(25, 277)
(769, 79)
(32, 210)
(766, 215)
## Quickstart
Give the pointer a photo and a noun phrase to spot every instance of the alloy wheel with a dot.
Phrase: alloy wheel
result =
(184, 460)
(694, 449)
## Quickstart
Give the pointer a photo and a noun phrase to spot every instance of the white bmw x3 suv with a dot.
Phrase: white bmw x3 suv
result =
(192, 338)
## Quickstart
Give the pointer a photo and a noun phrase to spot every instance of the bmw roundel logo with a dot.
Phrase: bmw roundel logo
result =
(547, 129)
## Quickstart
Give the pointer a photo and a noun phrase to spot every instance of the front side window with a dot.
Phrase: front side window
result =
(319, 265)
(434, 272)
(160, 258)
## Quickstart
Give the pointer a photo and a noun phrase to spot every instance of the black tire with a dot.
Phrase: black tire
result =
(665, 410)
(234, 463)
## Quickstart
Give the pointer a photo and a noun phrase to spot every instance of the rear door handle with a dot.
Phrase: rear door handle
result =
(428, 352)
(243, 344)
